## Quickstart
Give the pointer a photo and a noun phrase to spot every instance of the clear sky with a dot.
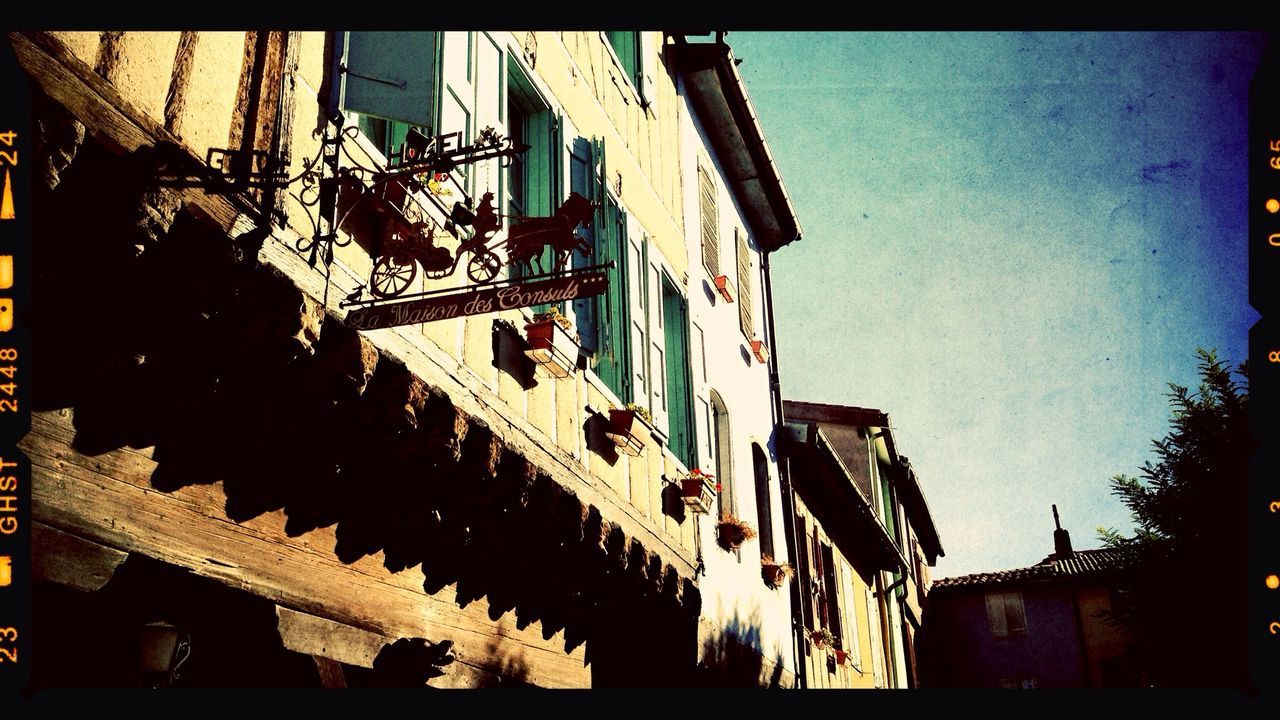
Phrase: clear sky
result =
(1012, 242)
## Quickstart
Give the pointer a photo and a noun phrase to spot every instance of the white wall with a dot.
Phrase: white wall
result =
(732, 588)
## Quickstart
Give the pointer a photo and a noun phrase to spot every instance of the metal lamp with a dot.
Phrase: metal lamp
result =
(165, 648)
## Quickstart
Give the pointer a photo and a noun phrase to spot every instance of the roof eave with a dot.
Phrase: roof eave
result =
(719, 97)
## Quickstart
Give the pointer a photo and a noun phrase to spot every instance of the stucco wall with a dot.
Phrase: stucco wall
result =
(962, 652)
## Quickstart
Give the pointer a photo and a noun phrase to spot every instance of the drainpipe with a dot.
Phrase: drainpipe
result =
(784, 477)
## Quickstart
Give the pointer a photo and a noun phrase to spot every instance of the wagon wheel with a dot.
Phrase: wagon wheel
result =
(484, 266)
(392, 275)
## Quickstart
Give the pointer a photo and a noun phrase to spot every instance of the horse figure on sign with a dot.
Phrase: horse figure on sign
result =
(527, 238)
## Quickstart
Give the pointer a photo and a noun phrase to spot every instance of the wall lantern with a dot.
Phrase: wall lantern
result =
(165, 648)
(550, 345)
(722, 286)
(760, 350)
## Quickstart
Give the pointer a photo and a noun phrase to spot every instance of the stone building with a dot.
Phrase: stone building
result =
(293, 425)
(866, 542)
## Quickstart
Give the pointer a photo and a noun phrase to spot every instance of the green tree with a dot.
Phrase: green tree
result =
(1184, 595)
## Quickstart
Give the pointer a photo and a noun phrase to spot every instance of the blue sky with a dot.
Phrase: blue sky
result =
(1012, 242)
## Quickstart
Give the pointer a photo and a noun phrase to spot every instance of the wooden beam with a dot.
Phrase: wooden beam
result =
(176, 99)
(311, 635)
(71, 560)
(331, 676)
(108, 499)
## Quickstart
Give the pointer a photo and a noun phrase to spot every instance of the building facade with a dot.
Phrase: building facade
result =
(421, 493)
(866, 541)
(1044, 626)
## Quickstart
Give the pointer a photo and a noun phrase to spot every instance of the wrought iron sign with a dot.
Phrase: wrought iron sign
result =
(382, 209)
(448, 304)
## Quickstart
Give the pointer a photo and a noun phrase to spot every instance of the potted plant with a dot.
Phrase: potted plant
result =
(552, 343)
(775, 574)
(722, 286)
(732, 532)
(842, 657)
(629, 428)
(699, 490)
(822, 638)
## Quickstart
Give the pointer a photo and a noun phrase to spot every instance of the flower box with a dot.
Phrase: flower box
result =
(732, 532)
(552, 347)
(722, 286)
(775, 574)
(822, 638)
(699, 491)
(627, 430)
(760, 350)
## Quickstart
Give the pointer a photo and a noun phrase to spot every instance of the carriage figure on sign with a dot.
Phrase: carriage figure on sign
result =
(407, 245)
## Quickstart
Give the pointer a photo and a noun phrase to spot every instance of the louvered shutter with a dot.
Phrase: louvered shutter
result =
(995, 615)
(744, 284)
(710, 222)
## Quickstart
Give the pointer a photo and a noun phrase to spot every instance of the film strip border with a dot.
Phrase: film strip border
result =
(16, 158)
(1264, 280)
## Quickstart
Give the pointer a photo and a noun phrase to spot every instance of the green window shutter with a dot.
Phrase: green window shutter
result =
(710, 222)
(626, 47)
(614, 361)
(744, 284)
(679, 385)
(392, 75)
(614, 366)
(546, 180)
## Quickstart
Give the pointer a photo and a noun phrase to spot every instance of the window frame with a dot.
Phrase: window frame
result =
(1003, 597)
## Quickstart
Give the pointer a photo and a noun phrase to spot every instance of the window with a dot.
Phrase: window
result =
(1005, 615)
(533, 180)
(710, 222)
(632, 50)
(626, 45)
(805, 570)
(391, 75)
(744, 284)
(852, 645)
(764, 508)
(831, 596)
(876, 635)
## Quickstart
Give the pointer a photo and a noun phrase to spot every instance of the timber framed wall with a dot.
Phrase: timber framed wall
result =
(221, 419)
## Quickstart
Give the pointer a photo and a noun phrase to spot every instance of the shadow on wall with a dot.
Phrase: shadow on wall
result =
(731, 659)
(222, 366)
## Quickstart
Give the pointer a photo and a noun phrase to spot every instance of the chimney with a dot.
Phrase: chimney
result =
(1061, 539)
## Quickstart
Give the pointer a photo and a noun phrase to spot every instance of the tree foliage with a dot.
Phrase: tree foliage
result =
(1184, 596)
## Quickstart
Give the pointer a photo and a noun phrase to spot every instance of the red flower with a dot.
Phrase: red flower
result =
(717, 487)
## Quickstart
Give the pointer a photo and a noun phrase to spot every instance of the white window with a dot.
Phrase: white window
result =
(1005, 615)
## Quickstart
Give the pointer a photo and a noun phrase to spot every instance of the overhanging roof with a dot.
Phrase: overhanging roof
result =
(909, 490)
(827, 487)
(720, 100)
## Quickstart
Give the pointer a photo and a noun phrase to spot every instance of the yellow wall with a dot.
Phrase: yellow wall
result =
(1102, 639)
(853, 608)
